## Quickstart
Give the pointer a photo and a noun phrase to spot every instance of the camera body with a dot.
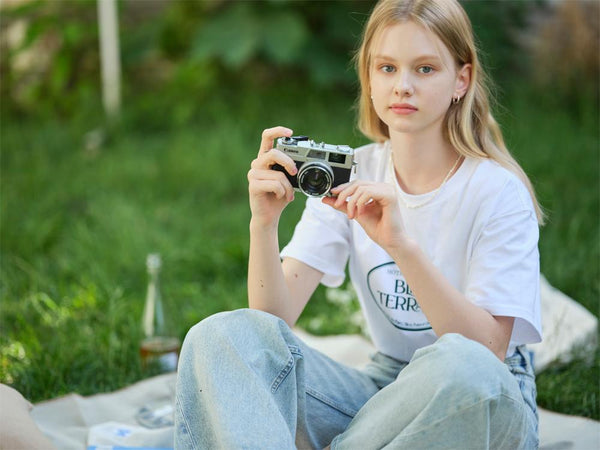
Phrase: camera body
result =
(321, 166)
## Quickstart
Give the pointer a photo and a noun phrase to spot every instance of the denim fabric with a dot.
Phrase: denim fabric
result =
(245, 381)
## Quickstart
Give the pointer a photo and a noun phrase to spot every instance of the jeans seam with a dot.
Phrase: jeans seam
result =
(333, 444)
(332, 403)
(287, 369)
(186, 425)
(282, 375)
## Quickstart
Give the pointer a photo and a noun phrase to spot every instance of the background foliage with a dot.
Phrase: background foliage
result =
(83, 199)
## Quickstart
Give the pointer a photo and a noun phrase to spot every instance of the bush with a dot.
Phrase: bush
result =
(566, 54)
(49, 57)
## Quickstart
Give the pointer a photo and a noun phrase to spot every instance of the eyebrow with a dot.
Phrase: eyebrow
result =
(419, 58)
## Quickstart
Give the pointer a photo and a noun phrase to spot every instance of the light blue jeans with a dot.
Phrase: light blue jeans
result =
(245, 381)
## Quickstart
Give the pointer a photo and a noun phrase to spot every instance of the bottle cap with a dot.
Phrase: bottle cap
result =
(153, 262)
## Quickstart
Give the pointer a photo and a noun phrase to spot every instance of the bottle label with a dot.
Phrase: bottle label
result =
(168, 362)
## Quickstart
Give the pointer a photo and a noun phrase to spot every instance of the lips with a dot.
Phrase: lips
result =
(403, 108)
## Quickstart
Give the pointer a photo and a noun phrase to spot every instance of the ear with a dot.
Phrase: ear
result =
(463, 80)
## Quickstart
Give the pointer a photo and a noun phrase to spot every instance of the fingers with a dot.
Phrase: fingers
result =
(269, 159)
(273, 187)
(269, 135)
(342, 192)
(332, 201)
(345, 198)
(350, 194)
(270, 181)
(353, 198)
(261, 177)
(361, 197)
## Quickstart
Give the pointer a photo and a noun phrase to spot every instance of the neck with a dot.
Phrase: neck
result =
(421, 161)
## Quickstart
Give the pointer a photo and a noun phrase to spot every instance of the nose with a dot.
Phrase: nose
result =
(404, 84)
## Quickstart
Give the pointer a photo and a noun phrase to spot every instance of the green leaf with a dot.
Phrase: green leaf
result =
(327, 67)
(232, 37)
(284, 37)
(73, 33)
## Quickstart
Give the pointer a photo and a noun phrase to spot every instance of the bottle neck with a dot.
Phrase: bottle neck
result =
(153, 322)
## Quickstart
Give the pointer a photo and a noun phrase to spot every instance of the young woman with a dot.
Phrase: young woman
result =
(439, 228)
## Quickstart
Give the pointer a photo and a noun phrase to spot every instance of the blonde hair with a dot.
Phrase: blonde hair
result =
(470, 126)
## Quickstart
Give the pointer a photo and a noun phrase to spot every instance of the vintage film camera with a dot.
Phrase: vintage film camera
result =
(321, 166)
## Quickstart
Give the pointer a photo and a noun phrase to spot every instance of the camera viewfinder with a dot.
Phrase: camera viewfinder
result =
(337, 158)
(316, 154)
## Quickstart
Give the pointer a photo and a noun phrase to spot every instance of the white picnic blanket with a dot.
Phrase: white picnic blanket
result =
(105, 420)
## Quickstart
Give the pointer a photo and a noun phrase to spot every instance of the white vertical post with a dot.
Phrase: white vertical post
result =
(109, 56)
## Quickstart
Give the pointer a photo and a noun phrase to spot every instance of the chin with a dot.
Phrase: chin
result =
(404, 127)
(411, 124)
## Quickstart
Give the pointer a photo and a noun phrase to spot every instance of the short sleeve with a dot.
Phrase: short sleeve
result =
(504, 270)
(321, 240)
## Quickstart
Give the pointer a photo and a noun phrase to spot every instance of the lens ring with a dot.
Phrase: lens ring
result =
(315, 179)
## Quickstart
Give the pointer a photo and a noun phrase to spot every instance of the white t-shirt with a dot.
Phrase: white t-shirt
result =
(480, 230)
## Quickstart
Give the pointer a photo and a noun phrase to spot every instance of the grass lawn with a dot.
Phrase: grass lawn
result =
(77, 224)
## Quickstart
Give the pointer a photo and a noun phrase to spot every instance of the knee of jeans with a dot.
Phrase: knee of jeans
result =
(217, 330)
(203, 331)
(467, 368)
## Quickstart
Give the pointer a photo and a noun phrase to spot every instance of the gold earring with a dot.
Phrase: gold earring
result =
(456, 99)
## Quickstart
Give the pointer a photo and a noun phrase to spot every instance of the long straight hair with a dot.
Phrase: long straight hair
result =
(469, 125)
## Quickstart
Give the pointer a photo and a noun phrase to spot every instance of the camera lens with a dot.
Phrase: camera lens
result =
(315, 179)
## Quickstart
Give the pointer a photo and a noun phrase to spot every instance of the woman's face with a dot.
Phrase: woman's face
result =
(413, 78)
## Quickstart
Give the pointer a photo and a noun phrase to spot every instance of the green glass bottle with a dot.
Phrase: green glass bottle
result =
(159, 349)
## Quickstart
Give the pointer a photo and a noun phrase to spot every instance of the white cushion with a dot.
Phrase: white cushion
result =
(566, 326)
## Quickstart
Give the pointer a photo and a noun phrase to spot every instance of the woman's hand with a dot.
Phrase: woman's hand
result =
(270, 191)
(375, 207)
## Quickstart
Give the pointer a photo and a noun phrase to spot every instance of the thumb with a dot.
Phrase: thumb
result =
(331, 202)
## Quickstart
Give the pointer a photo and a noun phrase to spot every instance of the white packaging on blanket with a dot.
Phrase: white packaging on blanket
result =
(132, 436)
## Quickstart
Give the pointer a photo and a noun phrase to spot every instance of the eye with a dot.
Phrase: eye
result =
(387, 68)
(425, 70)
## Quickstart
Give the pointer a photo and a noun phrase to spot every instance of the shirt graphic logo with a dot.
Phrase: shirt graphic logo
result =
(395, 300)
